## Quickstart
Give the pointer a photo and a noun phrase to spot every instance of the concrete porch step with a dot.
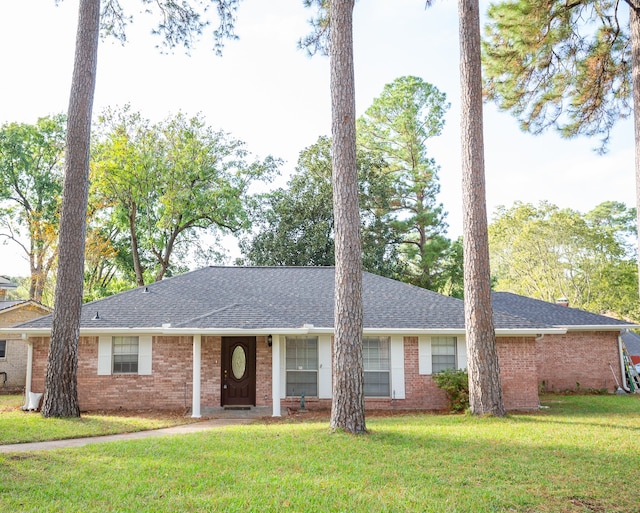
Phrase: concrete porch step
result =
(236, 412)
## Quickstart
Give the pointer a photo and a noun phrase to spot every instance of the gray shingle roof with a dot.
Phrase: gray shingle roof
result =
(10, 303)
(550, 313)
(282, 298)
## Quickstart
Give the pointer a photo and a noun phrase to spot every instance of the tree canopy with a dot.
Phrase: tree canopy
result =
(546, 252)
(558, 64)
(31, 170)
(294, 225)
(163, 182)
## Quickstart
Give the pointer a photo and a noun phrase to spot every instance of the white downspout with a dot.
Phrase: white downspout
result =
(623, 371)
(197, 363)
(275, 376)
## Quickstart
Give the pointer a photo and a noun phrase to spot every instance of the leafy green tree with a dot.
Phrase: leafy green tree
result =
(295, 225)
(166, 181)
(572, 66)
(31, 160)
(397, 127)
(179, 24)
(485, 389)
(546, 252)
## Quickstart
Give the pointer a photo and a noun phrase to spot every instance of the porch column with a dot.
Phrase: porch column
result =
(27, 381)
(197, 361)
(275, 375)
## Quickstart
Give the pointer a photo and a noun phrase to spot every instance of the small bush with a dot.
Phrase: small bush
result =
(455, 384)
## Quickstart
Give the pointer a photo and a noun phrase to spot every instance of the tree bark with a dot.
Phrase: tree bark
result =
(61, 395)
(634, 29)
(485, 389)
(347, 410)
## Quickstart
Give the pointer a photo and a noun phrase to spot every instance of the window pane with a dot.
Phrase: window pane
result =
(302, 382)
(3, 348)
(376, 384)
(302, 353)
(375, 353)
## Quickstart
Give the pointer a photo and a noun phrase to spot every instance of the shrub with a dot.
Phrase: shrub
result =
(455, 384)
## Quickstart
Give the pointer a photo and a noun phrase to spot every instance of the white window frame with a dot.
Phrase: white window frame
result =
(105, 356)
(425, 365)
(380, 369)
(3, 353)
(453, 341)
(125, 353)
(310, 371)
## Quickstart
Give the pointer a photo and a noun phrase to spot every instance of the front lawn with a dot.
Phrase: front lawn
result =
(579, 455)
(17, 426)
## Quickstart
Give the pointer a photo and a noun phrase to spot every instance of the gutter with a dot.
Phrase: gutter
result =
(304, 330)
(600, 327)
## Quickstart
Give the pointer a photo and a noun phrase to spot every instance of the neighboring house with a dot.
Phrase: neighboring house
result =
(262, 337)
(13, 350)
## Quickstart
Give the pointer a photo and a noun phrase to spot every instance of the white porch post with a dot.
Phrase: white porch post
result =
(275, 375)
(197, 361)
(27, 383)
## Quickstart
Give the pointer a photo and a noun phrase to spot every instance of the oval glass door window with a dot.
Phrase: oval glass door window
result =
(238, 362)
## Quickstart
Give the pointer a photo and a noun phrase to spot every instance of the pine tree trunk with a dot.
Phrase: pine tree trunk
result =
(485, 389)
(61, 395)
(634, 29)
(347, 410)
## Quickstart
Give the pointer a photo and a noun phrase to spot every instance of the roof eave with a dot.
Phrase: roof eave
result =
(304, 330)
(600, 327)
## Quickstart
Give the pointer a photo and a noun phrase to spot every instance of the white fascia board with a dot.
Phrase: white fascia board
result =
(45, 332)
(41, 332)
(529, 332)
(412, 331)
(603, 327)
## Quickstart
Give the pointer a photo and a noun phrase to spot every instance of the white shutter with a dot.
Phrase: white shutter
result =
(104, 355)
(324, 367)
(424, 355)
(144, 354)
(461, 351)
(397, 368)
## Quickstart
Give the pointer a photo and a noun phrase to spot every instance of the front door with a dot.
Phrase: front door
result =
(238, 371)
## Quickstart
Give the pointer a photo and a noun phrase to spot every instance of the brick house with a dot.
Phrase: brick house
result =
(261, 337)
(13, 350)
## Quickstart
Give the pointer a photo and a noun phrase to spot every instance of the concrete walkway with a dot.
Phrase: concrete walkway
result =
(196, 427)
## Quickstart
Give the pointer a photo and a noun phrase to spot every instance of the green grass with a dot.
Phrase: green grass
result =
(579, 455)
(17, 426)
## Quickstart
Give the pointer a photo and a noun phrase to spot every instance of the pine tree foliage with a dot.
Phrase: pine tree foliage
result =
(560, 64)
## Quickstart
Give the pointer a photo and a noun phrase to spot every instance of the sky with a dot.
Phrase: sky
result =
(274, 97)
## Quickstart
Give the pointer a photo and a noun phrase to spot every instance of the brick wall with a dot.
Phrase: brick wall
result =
(578, 360)
(170, 385)
(524, 364)
(518, 372)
